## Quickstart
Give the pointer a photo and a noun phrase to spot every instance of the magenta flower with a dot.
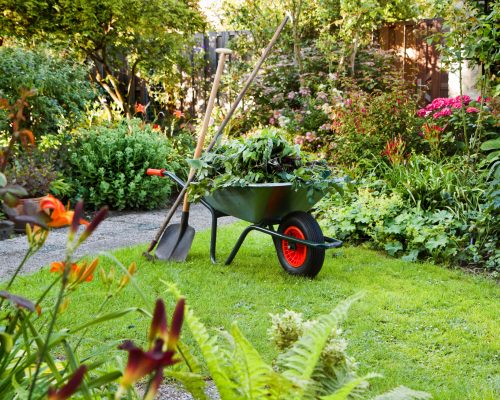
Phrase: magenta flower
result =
(422, 113)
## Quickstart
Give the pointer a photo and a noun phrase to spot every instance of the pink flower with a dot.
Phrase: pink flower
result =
(422, 112)
(446, 111)
(305, 91)
(299, 140)
(291, 95)
(472, 110)
(272, 121)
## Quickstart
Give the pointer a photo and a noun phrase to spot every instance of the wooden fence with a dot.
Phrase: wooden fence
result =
(418, 59)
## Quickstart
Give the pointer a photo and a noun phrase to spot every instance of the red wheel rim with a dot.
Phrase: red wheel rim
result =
(294, 253)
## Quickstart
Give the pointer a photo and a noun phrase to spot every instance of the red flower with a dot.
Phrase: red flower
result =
(71, 386)
(141, 363)
(178, 114)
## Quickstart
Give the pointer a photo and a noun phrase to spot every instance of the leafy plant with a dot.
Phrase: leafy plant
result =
(61, 91)
(264, 158)
(107, 165)
(469, 237)
(312, 363)
(31, 365)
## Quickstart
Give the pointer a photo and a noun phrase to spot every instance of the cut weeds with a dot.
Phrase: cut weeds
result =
(419, 325)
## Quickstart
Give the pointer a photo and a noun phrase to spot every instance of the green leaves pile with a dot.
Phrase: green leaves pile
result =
(266, 158)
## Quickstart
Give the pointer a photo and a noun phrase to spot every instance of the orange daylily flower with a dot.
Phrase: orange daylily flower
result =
(78, 273)
(59, 215)
(140, 108)
(178, 114)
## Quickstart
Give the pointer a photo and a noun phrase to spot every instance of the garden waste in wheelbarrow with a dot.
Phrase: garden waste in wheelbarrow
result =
(299, 241)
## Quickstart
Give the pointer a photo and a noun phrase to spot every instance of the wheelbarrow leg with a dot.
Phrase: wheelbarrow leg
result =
(238, 244)
(213, 238)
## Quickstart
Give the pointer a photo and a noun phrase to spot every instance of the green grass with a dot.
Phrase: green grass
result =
(420, 325)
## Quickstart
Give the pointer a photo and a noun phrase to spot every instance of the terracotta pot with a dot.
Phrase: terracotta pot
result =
(20, 227)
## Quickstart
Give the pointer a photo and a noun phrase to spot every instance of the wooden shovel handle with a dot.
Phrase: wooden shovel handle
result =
(206, 120)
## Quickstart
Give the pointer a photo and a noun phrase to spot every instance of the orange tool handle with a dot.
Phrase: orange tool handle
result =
(155, 172)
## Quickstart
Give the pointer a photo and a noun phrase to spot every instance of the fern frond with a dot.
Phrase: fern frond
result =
(348, 388)
(194, 383)
(300, 361)
(403, 393)
(189, 358)
(257, 379)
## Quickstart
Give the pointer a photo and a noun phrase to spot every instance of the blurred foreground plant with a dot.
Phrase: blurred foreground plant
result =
(29, 367)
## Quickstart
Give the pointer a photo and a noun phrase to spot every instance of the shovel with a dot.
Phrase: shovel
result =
(176, 241)
(222, 126)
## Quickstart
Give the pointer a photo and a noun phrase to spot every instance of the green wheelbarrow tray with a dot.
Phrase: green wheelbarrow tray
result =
(265, 202)
(299, 241)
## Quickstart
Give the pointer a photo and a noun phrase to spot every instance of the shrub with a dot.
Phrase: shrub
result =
(62, 88)
(107, 165)
(386, 220)
(362, 124)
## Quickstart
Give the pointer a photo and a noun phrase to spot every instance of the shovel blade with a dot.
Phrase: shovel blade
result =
(175, 243)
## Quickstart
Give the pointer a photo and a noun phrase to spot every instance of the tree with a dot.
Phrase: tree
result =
(123, 38)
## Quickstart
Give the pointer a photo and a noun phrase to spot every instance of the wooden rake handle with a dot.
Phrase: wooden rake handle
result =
(206, 120)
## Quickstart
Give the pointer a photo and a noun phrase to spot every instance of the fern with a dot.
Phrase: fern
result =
(348, 388)
(194, 383)
(256, 378)
(300, 361)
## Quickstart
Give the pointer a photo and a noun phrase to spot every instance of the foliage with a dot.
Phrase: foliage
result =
(362, 124)
(29, 366)
(61, 90)
(34, 172)
(118, 36)
(313, 365)
(107, 165)
(264, 158)
(457, 234)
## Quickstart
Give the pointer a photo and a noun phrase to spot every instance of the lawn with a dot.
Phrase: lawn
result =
(420, 325)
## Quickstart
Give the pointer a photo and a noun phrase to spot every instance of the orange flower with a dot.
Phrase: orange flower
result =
(140, 108)
(78, 273)
(60, 216)
(178, 114)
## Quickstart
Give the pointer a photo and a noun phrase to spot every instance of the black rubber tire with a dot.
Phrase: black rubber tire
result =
(312, 232)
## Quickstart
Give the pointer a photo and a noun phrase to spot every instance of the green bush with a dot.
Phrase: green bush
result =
(391, 224)
(107, 166)
(63, 90)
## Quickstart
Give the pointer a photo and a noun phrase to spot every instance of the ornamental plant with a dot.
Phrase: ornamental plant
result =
(30, 356)
(266, 157)
(456, 125)
(106, 165)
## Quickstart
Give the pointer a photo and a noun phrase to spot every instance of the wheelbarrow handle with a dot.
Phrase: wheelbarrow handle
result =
(155, 172)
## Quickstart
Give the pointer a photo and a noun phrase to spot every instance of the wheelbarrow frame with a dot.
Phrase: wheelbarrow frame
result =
(264, 227)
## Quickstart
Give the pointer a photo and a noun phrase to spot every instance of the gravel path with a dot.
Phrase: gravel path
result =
(120, 229)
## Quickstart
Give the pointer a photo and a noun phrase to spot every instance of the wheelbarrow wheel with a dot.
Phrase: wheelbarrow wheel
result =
(295, 258)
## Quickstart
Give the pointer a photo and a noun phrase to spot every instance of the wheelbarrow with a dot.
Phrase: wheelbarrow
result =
(299, 241)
